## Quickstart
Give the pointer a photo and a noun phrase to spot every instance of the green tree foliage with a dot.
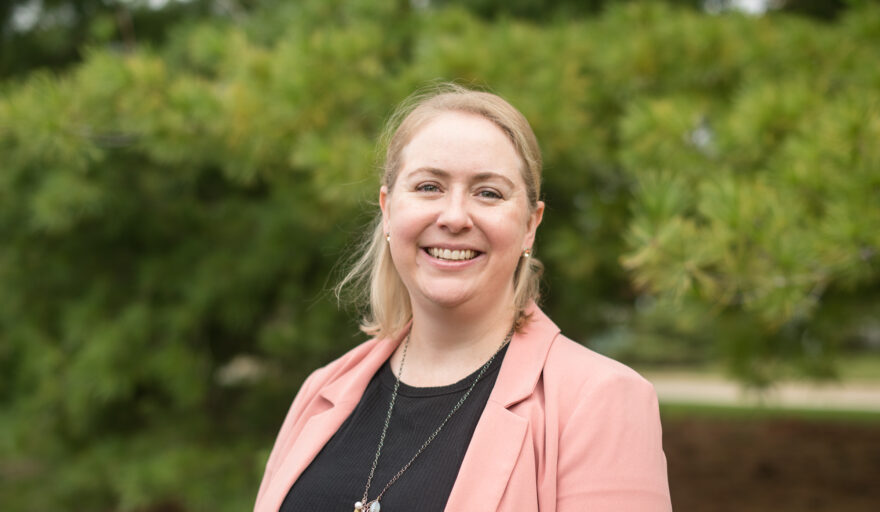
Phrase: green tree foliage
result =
(170, 217)
(37, 34)
(50, 34)
(761, 203)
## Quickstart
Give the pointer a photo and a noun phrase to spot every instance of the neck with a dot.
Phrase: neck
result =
(446, 345)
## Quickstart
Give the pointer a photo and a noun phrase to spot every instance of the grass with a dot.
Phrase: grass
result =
(752, 413)
(862, 368)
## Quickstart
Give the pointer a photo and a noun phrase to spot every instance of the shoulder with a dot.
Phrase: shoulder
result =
(341, 365)
(577, 376)
(340, 370)
(577, 363)
(572, 373)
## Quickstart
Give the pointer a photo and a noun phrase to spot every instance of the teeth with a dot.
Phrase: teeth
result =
(446, 254)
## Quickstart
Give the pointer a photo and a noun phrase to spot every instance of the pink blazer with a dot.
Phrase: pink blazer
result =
(565, 429)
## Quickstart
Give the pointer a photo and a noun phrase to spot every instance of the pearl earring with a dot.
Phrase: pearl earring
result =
(388, 237)
(527, 253)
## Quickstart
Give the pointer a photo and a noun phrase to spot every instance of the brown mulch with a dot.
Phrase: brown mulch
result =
(772, 465)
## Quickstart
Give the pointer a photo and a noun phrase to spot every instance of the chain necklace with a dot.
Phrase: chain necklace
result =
(373, 505)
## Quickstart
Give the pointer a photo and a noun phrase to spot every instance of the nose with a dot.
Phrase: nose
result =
(455, 214)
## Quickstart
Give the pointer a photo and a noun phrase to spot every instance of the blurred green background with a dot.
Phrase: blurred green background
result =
(179, 181)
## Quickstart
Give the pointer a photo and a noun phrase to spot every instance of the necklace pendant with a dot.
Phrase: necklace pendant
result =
(373, 506)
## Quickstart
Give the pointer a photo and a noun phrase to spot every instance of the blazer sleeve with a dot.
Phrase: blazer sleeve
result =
(610, 449)
(303, 397)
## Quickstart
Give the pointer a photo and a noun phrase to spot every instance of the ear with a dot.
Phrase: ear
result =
(535, 218)
(383, 205)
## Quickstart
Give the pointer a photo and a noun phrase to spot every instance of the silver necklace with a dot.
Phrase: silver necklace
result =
(373, 505)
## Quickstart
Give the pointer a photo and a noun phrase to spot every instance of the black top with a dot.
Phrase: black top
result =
(335, 480)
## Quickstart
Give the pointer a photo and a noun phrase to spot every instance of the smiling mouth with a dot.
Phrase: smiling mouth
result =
(456, 255)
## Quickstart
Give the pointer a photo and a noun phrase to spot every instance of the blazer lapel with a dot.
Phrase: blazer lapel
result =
(339, 398)
(489, 460)
(497, 441)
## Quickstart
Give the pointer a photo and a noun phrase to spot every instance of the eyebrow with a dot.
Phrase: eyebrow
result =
(481, 176)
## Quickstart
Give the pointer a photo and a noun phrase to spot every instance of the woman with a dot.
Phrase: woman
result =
(467, 398)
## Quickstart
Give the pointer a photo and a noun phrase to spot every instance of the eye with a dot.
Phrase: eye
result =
(428, 187)
(488, 193)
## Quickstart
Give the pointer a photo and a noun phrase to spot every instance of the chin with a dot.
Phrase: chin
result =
(449, 299)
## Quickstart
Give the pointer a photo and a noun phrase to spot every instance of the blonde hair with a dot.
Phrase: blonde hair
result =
(376, 284)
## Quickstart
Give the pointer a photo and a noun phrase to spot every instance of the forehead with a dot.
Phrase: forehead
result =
(462, 142)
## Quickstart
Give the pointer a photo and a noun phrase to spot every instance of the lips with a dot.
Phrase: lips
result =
(452, 254)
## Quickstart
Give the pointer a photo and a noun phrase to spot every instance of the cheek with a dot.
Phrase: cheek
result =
(507, 231)
(407, 221)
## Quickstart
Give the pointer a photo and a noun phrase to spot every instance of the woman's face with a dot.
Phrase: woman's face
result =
(458, 214)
